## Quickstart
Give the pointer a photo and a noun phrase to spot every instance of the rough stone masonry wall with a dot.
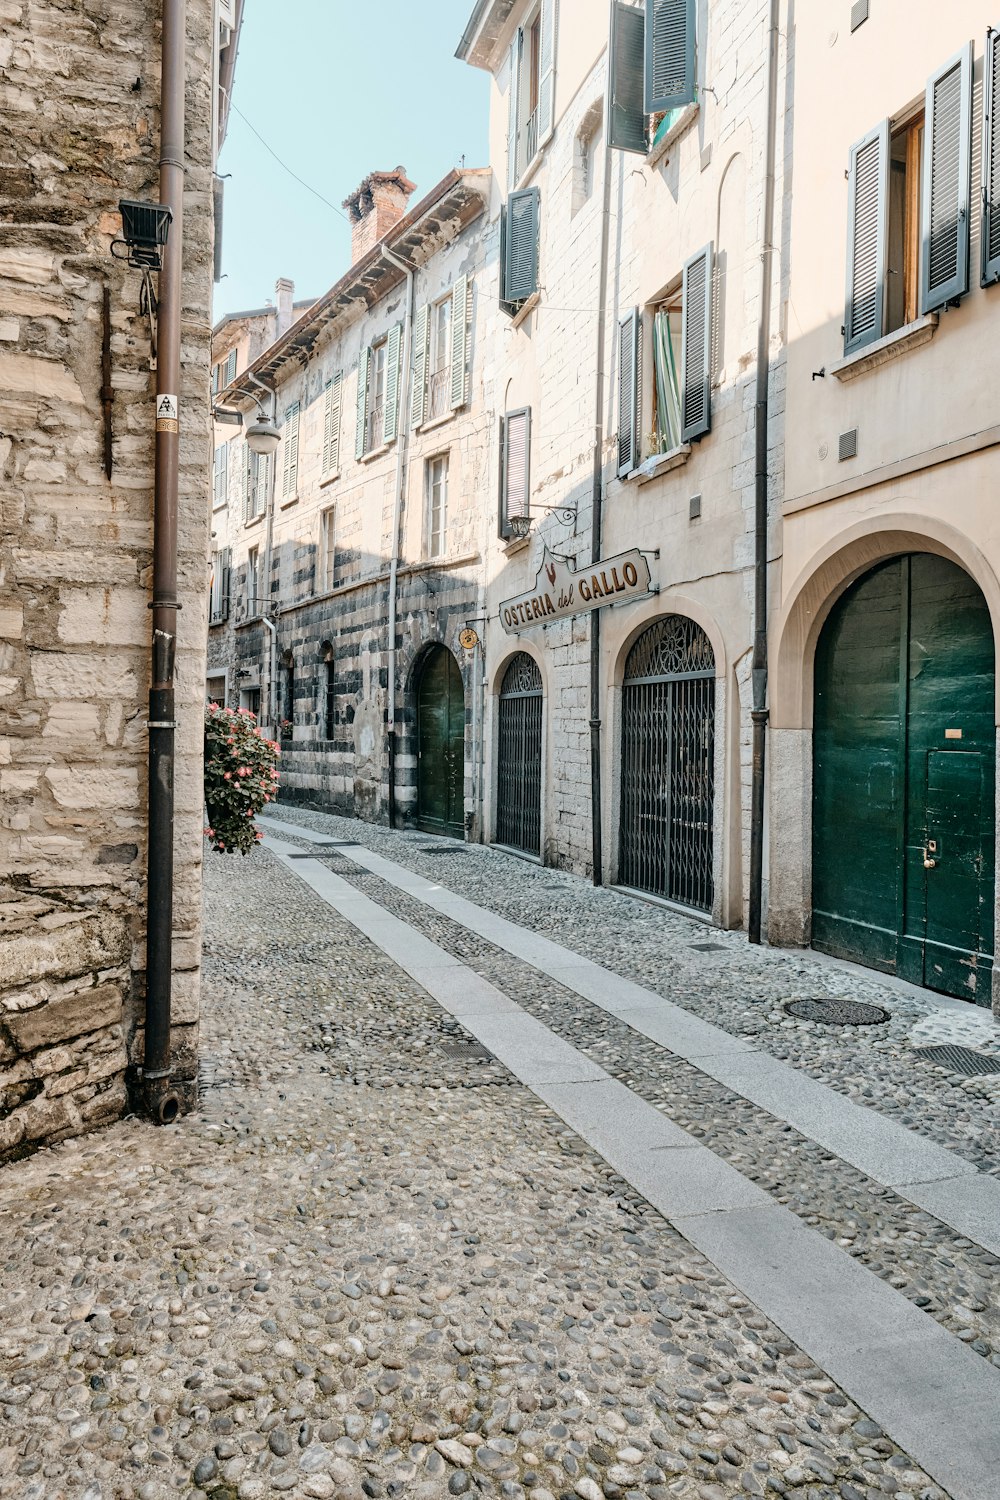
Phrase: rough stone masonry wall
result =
(79, 129)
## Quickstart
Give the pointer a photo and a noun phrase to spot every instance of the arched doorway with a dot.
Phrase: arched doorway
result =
(519, 757)
(440, 744)
(668, 764)
(903, 777)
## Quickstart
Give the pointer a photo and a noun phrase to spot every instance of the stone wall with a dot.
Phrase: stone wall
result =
(78, 131)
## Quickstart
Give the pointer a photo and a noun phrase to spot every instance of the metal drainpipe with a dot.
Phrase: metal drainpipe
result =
(269, 625)
(159, 1100)
(759, 712)
(597, 500)
(402, 439)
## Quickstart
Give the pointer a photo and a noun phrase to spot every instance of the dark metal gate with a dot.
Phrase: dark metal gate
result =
(519, 763)
(668, 764)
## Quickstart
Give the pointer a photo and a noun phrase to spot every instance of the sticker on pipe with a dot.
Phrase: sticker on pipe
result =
(166, 413)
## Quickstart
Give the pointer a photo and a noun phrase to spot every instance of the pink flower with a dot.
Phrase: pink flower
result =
(244, 771)
(227, 775)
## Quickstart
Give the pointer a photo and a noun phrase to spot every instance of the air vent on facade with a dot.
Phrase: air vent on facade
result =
(695, 508)
(859, 14)
(848, 444)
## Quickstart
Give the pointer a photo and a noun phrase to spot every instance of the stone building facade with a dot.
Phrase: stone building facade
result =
(368, 513)
(79, 130)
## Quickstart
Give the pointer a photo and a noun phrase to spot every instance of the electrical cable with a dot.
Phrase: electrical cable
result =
(284, 165)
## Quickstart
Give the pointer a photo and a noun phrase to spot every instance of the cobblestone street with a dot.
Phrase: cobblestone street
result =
(378, 1263)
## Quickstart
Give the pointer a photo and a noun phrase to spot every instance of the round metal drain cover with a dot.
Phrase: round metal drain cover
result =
(835, 1012)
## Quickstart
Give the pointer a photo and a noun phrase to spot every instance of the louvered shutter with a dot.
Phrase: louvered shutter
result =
(515, 466)
(226, 568)
(547, 69)
(521, 245)
(626, 115)
(418, 397)
(629, 352)
(947, 184)
(245, 460)
(364, 366)
(867, 200)
(670, 54)
(261, 494)
(459, 339)
(391, 422)
(514, 109)
(290, 474)
(331, 425)
(991, 161)
(696, 340)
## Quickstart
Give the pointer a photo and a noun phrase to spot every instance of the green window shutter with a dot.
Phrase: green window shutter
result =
(231, 366)
(521, 245)
(263, 481)
(947, 185)
(226, 561)
(514, 109)
(459, 340)
(245, 479)
(991, 161)
(867, 204)
(418, 397)
(670, 54)
(547, 69)
(290, 473)
(331, 424)
(629, 355)
(364, 366)
(696, 341)
(626, 114)
(392, 384)
(515, 466)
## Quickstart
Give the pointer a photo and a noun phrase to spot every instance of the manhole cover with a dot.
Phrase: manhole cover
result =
(708, 947)
(959, 1059)
(834, 1012)
(466, 1051)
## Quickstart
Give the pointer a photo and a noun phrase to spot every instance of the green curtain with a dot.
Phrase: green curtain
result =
(668, 400)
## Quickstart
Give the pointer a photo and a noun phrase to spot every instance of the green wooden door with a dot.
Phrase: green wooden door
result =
(441, 745)
(903, 783)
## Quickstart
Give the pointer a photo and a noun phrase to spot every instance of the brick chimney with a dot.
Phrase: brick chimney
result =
(284, 291)
(374, 207)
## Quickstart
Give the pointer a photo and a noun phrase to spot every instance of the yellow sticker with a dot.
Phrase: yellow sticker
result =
(953, 734)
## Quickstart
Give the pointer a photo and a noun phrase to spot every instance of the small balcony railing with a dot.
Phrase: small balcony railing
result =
(438, 393)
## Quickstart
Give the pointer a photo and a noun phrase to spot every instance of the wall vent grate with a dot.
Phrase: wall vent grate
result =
(859, 14)
(848, 444)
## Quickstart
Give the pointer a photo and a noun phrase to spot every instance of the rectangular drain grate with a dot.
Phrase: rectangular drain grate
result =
(960, 1059)
(708, 947)
(433, 849)
(465, 1051)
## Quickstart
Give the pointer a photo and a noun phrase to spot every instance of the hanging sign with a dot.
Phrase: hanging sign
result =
(560, 590)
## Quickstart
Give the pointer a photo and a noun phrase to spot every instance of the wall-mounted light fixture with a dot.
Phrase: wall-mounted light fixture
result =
(145, 227)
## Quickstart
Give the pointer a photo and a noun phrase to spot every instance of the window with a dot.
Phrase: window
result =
(991, 163)
(680, 408)
(331, 426)
(250, 698)
(437, 505)
(219, 597)
(224, 372)
(519, 249)
(653, 68)
(515, 467)
(440, 355)
(254, 600)
(288, 695)
(584, 157)
(909, 207)
(439, 360)
(531, 96)
(378, 393)
(329, 698)
(221, 476)
(327, 550)
(290, 472)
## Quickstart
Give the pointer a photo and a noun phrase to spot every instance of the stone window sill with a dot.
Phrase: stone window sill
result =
(253, 521)
(379, 452)
(656, 154)
(661, 463)
(287, 504)
(528, 305)
(911, 336)
(446, 416)
(515, 544)
(329, 479)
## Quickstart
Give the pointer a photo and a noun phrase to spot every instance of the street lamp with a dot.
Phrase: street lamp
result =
(263, 436)
(519, 526)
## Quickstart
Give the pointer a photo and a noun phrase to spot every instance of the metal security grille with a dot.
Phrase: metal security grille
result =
(668, 758)
(519, 772)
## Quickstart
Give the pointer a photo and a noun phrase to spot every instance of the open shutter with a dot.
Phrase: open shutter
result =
(459, 339)
(626, 115)
(547, 69)
(696, 339)
(521, 245)
(331, 425)
(290, 473)
(991, 161)
(245, 479)
(418, 397)
(364, 365)
(226, 569)
(947, 184)
(515, 466)
(867, 201)
(514, 108)
(392, 384)
(629, 353)
(263, 481)
(670, 54)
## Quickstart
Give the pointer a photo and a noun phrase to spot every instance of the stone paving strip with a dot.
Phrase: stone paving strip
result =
(383, 1270)
(922, 1385)
(933, 1178)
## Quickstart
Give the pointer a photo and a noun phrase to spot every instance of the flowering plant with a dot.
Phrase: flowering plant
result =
(241, 775)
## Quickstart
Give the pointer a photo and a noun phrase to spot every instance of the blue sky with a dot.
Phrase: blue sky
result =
(337, 88)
